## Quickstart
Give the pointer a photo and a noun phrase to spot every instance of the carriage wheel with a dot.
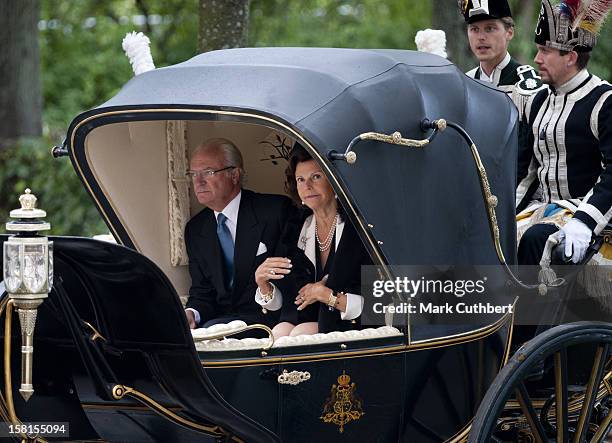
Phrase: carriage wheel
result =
(572, 413)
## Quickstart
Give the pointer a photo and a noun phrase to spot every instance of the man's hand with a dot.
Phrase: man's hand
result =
(272, 268)
(577, 238)
(190, 318)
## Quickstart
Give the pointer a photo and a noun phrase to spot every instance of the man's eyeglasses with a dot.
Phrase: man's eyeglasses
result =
(206, 173)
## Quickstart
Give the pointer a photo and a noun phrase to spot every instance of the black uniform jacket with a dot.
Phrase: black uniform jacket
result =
(261, 219)
(570, 143)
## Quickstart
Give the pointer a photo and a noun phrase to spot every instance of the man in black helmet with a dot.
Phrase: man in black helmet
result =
(567, 193)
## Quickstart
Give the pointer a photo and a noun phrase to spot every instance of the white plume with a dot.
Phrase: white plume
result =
(432, 41)
(136, 47)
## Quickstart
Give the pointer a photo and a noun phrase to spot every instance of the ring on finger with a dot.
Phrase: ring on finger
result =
(272, 272)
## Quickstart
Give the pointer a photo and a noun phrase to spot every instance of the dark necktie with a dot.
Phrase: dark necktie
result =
(227, 246)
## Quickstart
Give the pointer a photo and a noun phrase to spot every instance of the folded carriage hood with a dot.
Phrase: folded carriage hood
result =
(287, 82)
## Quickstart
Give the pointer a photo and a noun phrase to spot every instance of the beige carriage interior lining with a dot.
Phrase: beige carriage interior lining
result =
(140, 168)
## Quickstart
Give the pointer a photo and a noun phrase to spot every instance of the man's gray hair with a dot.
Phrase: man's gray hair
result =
(231, 153)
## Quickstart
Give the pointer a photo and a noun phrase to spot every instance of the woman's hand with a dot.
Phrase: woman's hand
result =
(272, 268)
(311, 293)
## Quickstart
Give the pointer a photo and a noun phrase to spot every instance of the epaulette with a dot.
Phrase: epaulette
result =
(530, 82)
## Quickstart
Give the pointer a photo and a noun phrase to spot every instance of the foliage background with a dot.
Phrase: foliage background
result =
(83, 65)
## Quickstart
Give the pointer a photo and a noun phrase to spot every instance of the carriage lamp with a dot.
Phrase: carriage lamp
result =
(28, 275)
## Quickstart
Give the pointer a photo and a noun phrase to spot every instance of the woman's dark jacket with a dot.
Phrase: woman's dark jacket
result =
(343, 268)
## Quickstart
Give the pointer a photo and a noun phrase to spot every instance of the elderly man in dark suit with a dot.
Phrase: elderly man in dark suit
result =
(229, 239)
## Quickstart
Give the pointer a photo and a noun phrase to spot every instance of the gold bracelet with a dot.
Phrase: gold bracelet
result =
(331, 301)
(266, 298)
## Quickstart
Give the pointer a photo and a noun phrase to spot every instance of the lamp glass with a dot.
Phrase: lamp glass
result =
(50, 270)
(12, 267)
(34, 269)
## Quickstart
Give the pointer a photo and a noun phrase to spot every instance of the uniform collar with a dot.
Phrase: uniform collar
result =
(496, 74)
(573, 83)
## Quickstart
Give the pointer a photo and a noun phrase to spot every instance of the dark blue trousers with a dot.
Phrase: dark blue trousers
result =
(532, 243)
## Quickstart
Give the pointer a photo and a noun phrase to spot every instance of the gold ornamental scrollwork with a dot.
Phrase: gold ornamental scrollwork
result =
(490, 201)
(293, 378)
(343, 406)
(394, 139)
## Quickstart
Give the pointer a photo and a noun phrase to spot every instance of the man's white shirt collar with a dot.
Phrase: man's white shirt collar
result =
(496, 74)
(231, 212)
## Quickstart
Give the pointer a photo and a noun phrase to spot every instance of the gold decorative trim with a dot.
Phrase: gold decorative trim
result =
(335, 355)
(475, 334)
(510, 336)
(120, 391)
(113, 406)
(462, 435)
(343, 406)
(490, 202)
(394, 139)
(96, 334)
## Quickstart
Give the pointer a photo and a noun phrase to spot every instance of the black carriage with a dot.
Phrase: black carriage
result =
(114, 356)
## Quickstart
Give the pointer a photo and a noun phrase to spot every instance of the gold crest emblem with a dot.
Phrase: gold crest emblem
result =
(343, 405)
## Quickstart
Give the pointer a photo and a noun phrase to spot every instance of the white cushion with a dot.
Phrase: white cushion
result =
(233, 344)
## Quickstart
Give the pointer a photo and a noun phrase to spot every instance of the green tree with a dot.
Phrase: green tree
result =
(83, 65)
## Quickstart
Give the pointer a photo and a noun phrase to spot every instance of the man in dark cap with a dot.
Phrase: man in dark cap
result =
(567, 193)
(490, 28)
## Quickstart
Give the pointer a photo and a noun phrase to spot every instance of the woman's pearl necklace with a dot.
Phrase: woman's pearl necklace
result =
(324, 245)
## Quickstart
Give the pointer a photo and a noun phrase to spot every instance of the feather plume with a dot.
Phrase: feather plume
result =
(570, 8)
(595, 15)
(136, 47)
(432, 41)
(580, 14)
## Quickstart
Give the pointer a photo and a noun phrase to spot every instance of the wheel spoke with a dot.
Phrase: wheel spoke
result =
(601, 432)
(530, 414)
(590, 395)
(561, 395)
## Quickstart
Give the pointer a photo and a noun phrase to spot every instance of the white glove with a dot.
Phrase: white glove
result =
(577, 238)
